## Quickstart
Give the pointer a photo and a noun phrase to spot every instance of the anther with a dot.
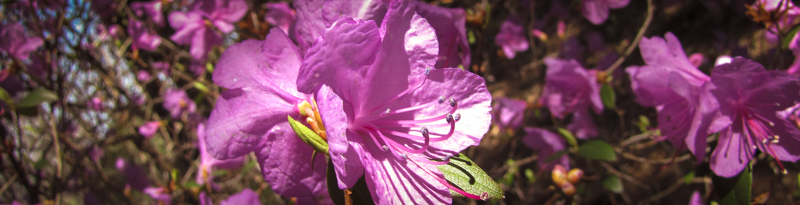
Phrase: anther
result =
(457, 116)
(775, 139)
(387, 111)
(424, 131)
(427, 71)
(452, 102)
(385, 148)
(403, 156)
(441, 99)
(449, 118)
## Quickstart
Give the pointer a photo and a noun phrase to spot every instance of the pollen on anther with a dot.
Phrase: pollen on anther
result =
(385, 148)
(387, 111)
(441, 99)
(424, 131)
(427, 71)
(452, 102)
(457, 117)
(403, 156)
(449, 118)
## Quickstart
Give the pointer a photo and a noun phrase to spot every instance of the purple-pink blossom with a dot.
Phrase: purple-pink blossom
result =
(741, 102)
(569, 88)
(279, 14)
(178, 103)
(246, 196)
(509, 113)
(158, 193)
(669, 82)
(209, 163)
(512, 37)
(15, 43)
(143, 37)
(251, 115)
(596, 11)
(151, 10)
(389, 115)
(194, 26)
(135, 176)
(148, 129)
(547, 143)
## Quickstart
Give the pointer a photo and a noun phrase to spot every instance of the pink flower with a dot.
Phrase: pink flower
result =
(596, 11)
(149, 129)
(512, 37)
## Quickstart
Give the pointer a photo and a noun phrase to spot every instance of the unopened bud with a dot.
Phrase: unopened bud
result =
(559, 175)
(574, 175)
(568, 189)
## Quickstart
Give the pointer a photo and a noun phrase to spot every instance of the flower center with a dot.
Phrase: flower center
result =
(758, 128)
(311, 113)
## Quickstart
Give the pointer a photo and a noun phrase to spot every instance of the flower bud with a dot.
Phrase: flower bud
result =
(574, 175)
(559, 175)
(568, 189)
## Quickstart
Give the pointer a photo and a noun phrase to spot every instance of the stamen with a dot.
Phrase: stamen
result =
(449, 118)
(441, 99)
(452, 102)
(458, 116)
(403, 156)
(427, 71)
(385, 148)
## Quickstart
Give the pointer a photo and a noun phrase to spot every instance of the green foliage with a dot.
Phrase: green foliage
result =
(734, 190)
(597, 149)
(466, 175)
(608, 96)
(613, 184)
(37, 97)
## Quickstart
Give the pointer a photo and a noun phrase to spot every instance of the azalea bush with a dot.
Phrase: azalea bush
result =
(399, 102)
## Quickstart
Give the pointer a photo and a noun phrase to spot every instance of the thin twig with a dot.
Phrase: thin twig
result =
(623, 175)
(650, 10)
(8, 183)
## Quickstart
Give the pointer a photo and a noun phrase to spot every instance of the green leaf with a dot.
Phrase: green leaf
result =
(249, 166)
(644, 123)
(734, 190)
(200, 86)
(597, 149)
(607, 95)
(461, 172)
(613, 184)
(531, 177)
(219, 172)
(309, 136)
(569, 137)
(40, 164)
(191, 184)
(687, 179)
(5, 97)
(553, 157)
(37, 97)
(788, 38)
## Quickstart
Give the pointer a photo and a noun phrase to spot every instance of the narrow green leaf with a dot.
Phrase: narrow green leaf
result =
(597, 149)
(734, 190)
(219, 172)
(5, 97)
(788, 38)
(569, 137)
(553, 157)
(461, 172)
(607, 95)
(191, 184)
(249, 165)
(309, 136)
(613, 184)
(200, 86)
(38, 96)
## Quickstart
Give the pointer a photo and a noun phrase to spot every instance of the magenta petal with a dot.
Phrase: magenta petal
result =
(596, 11)
(315, 16)
(509, 113)
(449, 24)
(582, 125)
(615, 4)
(512, 37)
(202, 42)
(345, 51)
(279, 14)
(731, 155)
(696, 199)
(569, 88)
(342, 144)
(185, 25)
(547, 143)
(247, 196)
(285, 162)
(229, 10)
(394, 181)
(251, 62)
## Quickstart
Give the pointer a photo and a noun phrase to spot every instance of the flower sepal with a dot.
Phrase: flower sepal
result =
(309, 136)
